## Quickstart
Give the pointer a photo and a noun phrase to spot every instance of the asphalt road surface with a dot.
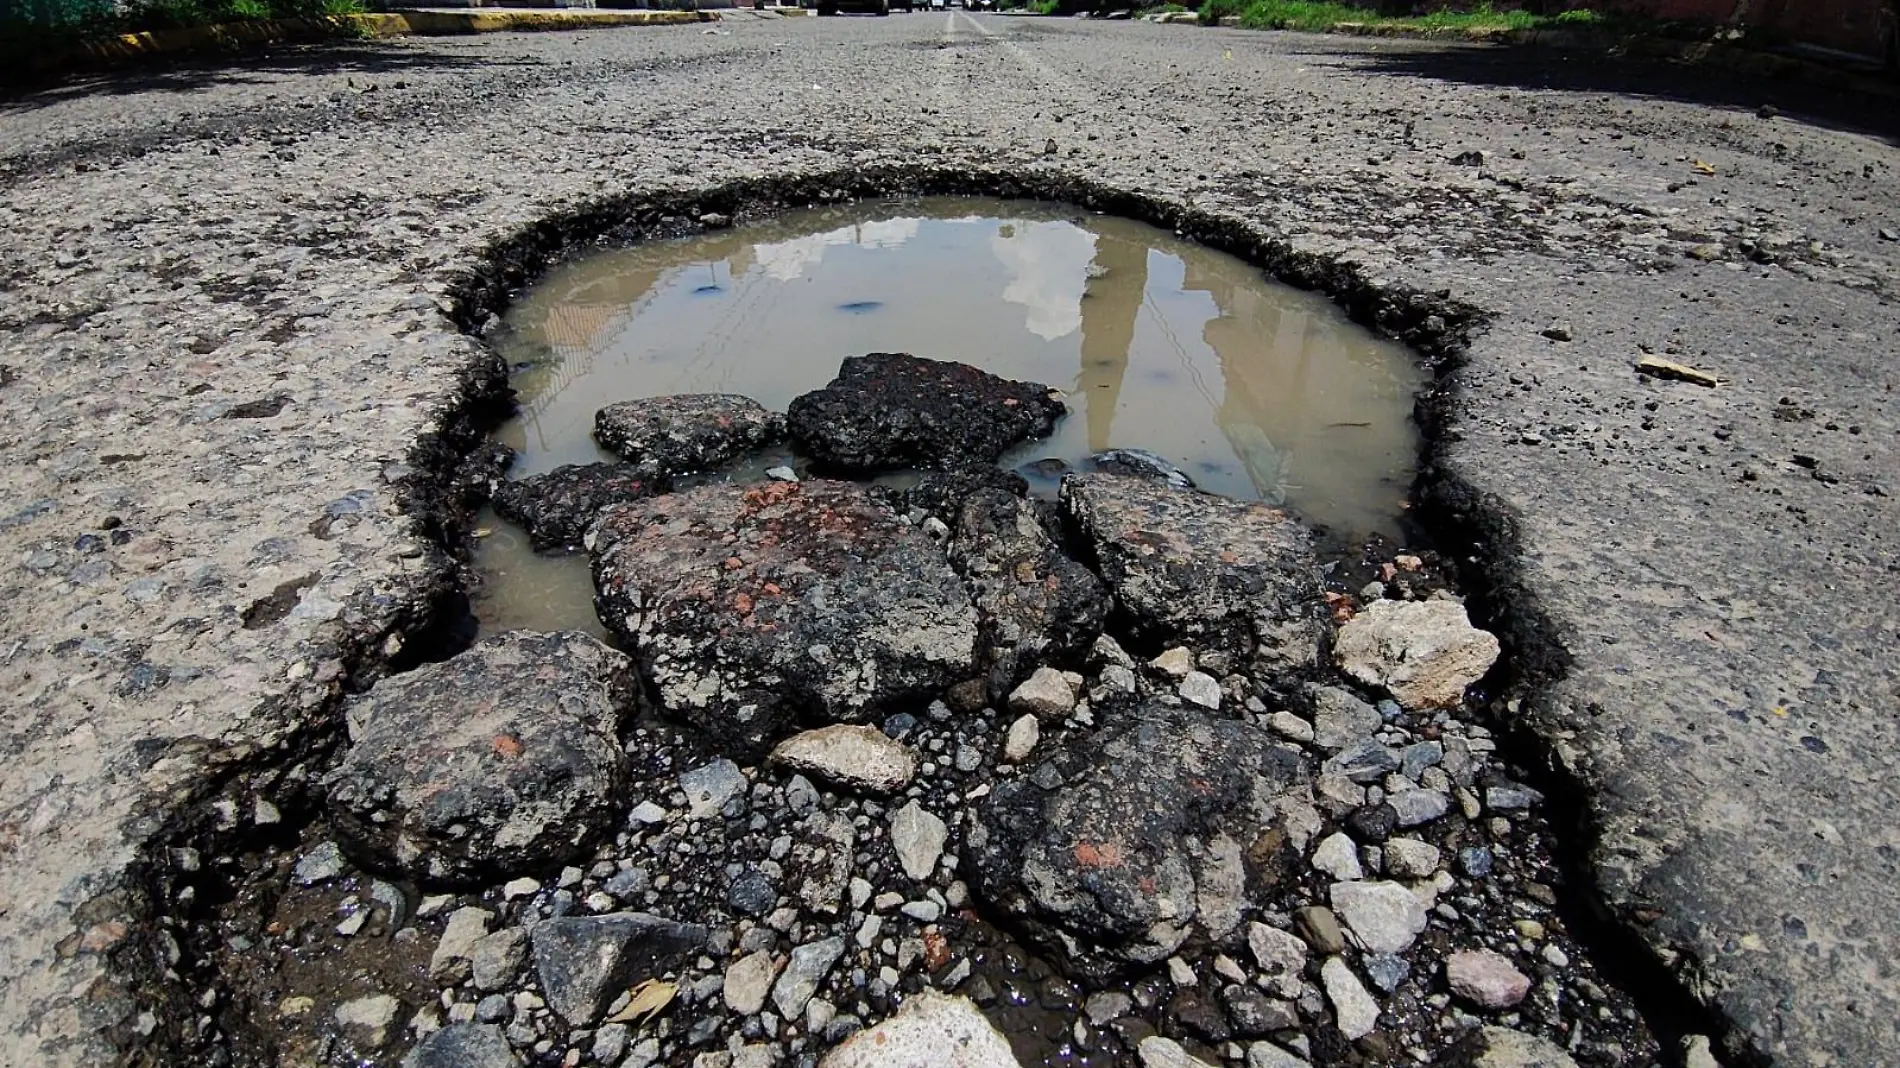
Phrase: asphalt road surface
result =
(1704, 577)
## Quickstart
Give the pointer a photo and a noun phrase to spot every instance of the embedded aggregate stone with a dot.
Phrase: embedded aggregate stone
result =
(1034, 604)
(1186, 566)
(686, 433)
(463, 1045)
(584, 962)
(858, 758)
(1385, 917)
(894, 410)
(930, 1030)
(1424, 653)
(502, 759)
(1126, 842)
(749, 607)
(556, 508)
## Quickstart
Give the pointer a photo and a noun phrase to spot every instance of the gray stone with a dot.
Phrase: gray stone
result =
(463, 1045)
(1386, 970)
(804, 970)
(366, 1020)
(557, 508)
(1045, 694)
(686, 433)
(610, 1044)
(749, 980)
(320, 865)
(1107, 1005)
(1200, 688)
(1021, 739)
(918, 837)
(1194, 568)
(1363, 761)
(930, 1030)
(1385, 917)
(857, 758)
(1253, 1013)
(1354, 1011)
(452, 960)
(1486, 979)
(502, 759)
(1415, 758)
(584, 962)
(1424, 653)
(752, 607)
(708, 788)
(497, 959)
(1339, 718)
(1415, 807)
(821, 859)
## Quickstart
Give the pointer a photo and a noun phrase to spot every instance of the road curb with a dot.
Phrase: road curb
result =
(110, 52)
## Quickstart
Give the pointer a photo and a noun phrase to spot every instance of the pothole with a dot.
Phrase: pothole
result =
(1258, 391)
(1169, 827)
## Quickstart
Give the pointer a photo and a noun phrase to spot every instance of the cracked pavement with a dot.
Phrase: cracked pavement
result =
(221, 332)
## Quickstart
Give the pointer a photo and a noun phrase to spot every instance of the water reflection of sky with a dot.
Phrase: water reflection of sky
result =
(1257, 389)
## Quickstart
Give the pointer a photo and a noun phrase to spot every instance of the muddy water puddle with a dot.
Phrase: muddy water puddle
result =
(1255, 389)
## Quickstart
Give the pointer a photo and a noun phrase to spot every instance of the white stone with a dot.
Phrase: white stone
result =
(1268, 1055)
(1486, 979)
(450, 964)
(367, 1019)
(1158, 1052)
(749, 980)
(1281, 956)
(1200, 688)
(1175, 663)
(854, 757)
(1022, 739)
(930, 1030)
(1385, 917)
(1409, 858)
(1354, 1010)
(1047, 694)
(918, 837)
(1424, 653)
(1338, 856)
(1291, 727)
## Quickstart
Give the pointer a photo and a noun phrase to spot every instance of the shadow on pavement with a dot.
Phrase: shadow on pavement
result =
(1533, 67)
(368, 59)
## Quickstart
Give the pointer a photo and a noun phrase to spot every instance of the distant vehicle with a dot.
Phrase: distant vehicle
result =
(980, 5)
(868, 7)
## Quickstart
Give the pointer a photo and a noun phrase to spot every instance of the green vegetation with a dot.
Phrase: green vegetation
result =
(33, 27)
(1045, 7)
(1324, 14)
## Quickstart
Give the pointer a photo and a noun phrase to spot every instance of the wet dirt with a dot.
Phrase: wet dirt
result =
(1256, 389)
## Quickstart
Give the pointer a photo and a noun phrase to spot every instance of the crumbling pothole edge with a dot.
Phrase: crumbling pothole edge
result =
(1476, 528)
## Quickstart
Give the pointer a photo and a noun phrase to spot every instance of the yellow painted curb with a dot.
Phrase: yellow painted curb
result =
(127, 48)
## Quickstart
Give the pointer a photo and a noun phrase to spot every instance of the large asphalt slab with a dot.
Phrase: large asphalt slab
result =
(1705, 577)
